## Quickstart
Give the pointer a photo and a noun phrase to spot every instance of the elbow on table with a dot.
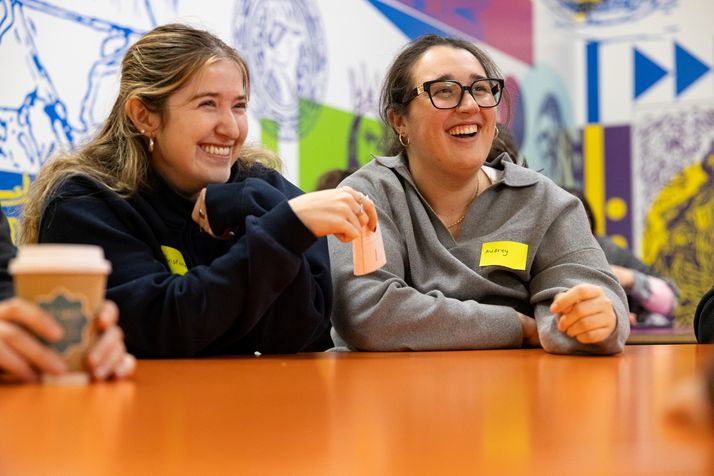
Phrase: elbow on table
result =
(364, 338)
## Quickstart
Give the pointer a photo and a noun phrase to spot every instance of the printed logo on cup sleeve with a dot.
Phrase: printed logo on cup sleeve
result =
(70, 311)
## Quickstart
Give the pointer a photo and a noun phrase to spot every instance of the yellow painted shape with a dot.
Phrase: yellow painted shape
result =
(594, 173)
(619, 240)
(616, 209)
(677, 239)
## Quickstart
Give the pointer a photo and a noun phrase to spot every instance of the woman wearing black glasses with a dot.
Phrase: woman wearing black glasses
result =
(478, 255)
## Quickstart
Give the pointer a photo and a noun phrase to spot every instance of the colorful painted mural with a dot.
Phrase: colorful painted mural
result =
(615, 97)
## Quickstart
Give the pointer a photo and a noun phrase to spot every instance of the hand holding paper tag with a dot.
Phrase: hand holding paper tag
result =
(368, 251)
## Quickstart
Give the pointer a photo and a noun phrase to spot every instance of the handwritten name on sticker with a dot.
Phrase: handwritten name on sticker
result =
(509, 254)
(175, 260)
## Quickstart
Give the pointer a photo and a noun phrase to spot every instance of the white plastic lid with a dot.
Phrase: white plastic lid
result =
(50, 258)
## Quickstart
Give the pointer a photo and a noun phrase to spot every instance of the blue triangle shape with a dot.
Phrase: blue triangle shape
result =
(647, 73)
(688, 68)
(409, 25)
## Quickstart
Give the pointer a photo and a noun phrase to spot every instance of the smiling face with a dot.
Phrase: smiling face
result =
(203, 129)
(456, 141)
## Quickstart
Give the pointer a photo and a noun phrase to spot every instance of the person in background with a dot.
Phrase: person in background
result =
(332, 178)
(23, 327)
(478, 255)
(652, 298)
(212, 251)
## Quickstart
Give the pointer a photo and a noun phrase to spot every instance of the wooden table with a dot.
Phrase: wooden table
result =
(497, 412)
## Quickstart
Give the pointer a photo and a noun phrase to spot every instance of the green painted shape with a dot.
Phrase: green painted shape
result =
(327, 144)
(269, 134)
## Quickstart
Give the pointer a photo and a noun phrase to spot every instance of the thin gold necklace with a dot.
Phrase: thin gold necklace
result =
(457, 222)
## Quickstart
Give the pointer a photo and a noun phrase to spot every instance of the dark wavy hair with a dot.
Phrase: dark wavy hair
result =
(398, 81)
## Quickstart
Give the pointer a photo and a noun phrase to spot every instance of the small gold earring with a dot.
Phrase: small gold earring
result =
(151, 144)
(401, 140)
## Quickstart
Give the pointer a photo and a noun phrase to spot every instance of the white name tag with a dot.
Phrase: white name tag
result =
(368, 252)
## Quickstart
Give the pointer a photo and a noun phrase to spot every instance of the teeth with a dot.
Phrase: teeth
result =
(216, 150)
(460, 130)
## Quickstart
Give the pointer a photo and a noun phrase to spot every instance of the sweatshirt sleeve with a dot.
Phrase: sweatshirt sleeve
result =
(569, 255)
(382, 311)
(269, 292)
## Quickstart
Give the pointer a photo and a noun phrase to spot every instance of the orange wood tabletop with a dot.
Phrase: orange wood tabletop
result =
(497, 412)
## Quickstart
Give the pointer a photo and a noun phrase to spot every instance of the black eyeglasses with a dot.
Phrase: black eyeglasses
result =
(447, 94)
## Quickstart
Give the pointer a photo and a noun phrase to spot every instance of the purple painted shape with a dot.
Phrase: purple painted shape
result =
(504, 24)
(618, 174)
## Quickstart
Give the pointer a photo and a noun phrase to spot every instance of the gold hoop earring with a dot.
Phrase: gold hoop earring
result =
(151, 145)
(496, 132)
(401, 141)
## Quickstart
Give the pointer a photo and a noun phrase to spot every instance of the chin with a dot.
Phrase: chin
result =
(217, 175)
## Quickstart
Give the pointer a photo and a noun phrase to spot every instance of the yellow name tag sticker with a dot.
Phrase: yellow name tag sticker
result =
(509, 254)
(174, 258)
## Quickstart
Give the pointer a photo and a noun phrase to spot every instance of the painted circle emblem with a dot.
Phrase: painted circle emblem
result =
(284, 44)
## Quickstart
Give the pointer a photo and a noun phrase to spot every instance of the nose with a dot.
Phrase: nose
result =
(468, 101)
(228, 125)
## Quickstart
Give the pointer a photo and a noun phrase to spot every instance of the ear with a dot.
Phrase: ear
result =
(143, 119)
(397, 121)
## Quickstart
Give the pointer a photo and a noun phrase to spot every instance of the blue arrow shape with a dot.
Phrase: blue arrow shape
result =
(688, 68)
(647, 72)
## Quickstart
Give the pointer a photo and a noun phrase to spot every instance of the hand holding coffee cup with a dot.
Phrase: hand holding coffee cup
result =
(68, 283)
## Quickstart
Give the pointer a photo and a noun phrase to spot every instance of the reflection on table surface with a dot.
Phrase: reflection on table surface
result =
(478, 412)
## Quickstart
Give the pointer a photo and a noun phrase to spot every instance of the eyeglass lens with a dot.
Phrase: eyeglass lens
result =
(448, 94)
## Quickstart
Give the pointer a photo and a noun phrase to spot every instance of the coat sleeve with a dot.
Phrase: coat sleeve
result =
(269, 292)
(569, 255)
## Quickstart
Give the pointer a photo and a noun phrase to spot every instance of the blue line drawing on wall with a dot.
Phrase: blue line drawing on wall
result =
(64, 57)
(285, 47)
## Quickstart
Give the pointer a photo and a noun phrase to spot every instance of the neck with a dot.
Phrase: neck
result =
(449, 198)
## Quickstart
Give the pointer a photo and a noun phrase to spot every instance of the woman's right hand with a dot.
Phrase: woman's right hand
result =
(342, 212)
(22, 356)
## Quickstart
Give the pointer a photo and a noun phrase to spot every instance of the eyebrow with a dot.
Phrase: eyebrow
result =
(213, 95)
(450, 77)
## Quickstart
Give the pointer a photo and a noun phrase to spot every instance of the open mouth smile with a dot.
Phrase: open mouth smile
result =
(464, 131)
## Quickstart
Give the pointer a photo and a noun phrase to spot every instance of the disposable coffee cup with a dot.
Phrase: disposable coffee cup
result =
(68, 282)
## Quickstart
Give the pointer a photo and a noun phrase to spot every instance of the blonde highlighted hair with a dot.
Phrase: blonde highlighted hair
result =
(156, 66)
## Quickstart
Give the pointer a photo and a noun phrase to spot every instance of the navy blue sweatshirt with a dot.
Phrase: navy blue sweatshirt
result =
(182, 293)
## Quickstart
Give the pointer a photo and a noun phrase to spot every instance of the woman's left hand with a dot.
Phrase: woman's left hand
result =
(586, 313)
(108, 357)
